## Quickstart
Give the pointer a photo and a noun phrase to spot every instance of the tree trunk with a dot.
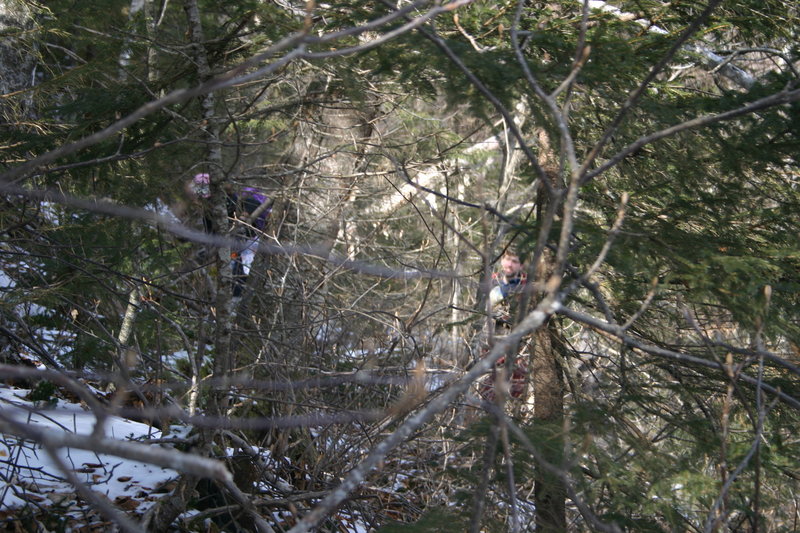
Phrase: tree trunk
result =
(164, 513)
(548, 413)
(548, 383)
(220, 224)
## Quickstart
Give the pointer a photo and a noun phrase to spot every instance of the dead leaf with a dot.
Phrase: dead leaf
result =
(126, 503)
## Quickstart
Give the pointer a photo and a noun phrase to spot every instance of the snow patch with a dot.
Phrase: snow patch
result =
(28, 474)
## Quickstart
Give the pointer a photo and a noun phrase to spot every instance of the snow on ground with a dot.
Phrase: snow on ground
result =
(29, 475)
(5, 281)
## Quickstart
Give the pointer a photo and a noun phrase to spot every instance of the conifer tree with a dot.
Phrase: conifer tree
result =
(642, 156)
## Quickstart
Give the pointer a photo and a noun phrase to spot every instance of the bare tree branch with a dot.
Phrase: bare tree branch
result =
(620, 333)
(104, 207)
(783, 97)
(167, 458)
(533, 321)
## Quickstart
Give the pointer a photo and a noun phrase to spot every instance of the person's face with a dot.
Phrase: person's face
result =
(200, 189)
(510, 265)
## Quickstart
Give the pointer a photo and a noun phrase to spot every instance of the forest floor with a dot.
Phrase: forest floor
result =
(35, 489)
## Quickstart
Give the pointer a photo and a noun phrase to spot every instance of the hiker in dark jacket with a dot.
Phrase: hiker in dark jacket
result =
(504, 297)
(507, 287)
(251, 210)
(248, 211)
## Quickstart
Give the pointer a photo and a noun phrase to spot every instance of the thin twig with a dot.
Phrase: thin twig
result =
(167, 458)
(679, 357)
(783, 97)
(533, 321)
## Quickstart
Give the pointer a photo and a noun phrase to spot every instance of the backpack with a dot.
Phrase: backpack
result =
(250, 200)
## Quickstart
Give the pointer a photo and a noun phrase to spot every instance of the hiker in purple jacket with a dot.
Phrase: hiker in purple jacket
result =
(248, 211)
(251, 210)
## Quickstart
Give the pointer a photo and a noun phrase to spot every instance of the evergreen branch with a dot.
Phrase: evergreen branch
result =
(413, 23)
(723, 65)
(177, 96)
(634, 96)
(679, 357)
(549, 100)
(783, 97)
(562, 474)
(711, 522)
(297, 42)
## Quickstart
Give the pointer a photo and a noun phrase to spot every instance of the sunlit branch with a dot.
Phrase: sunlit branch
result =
(104, 207)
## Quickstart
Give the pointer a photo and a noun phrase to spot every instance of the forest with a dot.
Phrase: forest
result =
(250, 253)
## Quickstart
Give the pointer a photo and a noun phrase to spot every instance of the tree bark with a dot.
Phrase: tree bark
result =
(548, 382)
(548, 413)
(171, 506)
(220, 224)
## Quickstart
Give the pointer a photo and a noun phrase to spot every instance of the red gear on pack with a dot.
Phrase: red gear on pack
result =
(519, 378)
